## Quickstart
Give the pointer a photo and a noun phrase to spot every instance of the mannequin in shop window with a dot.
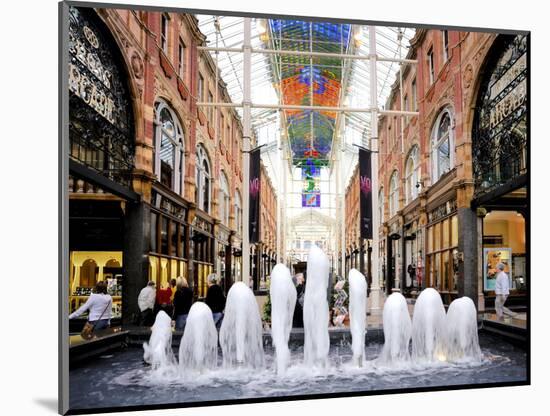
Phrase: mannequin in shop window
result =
(502, 290)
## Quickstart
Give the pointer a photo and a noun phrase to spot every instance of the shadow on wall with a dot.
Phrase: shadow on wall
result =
(47, 403)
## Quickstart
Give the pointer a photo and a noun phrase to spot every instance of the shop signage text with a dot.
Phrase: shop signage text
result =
(514, 98)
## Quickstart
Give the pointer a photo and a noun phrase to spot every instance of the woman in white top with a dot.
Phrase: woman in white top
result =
(99, 304)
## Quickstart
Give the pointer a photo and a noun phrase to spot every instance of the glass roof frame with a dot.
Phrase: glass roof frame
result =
(272, 125)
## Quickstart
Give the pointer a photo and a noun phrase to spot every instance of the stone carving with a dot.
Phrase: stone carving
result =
(137, 65)
(468, 76)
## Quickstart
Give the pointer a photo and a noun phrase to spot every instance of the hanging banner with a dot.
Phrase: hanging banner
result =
(365, 193)
(254, 197)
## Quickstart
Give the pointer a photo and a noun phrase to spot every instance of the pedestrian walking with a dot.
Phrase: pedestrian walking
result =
(183, 299)
(146, 304)
(502, 290)
(215, 299)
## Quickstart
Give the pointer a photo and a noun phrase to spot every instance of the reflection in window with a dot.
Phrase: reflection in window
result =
(431, 66)
(381, 205)
(181, 59)
(203, 177)
(442, 145)
(238, 212)
(168, 148)
(154, 235)
(412, 175)
(445, 34)
(164, 32)
(164, 235)
(173, 238)
(394, 193)
(224, 200)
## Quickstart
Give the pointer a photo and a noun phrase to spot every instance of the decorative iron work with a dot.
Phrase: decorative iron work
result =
(500, 125)
(100, 112)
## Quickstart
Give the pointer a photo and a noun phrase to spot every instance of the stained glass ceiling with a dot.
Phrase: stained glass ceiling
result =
(309, 81)
(336, 81)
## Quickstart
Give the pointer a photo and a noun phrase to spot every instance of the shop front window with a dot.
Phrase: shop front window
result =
(167, 257)
(442, 241)
(504, 242)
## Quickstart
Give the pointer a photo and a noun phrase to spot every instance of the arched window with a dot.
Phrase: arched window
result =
(381, 206)
(412, 175)
(168, 148)
(238, 212)
(203, 180)
(224, 199)
(394, 193)
(442, 145)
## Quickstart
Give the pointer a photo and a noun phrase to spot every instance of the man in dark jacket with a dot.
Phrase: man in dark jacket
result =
(215, 299)
(298, 317)
(183, 299)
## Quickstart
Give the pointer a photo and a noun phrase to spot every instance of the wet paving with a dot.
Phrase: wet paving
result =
(120, 379)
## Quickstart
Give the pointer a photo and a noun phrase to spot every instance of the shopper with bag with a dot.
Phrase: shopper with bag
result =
(99, 305)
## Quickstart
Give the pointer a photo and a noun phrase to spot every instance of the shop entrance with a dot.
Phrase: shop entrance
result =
(504, 241)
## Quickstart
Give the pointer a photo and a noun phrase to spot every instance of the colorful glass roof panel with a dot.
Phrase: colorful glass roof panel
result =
(309, 81)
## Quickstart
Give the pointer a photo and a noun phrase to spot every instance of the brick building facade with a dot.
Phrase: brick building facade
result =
(432, 202)
(176, 203)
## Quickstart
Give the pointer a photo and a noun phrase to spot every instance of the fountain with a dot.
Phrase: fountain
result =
(428, 327)
(461, 339)
(397, 331)
(327, 369)
(241, 330)
(358, 314)
(316, 338)
(199, 343)
(158, 351)
(283, 301)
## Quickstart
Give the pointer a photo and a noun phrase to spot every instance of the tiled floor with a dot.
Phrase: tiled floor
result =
(518, 321)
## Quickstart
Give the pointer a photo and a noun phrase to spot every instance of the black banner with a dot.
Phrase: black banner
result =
(254, 197)
(365, 193)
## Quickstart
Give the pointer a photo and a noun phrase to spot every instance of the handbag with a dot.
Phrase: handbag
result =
(88, 331)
